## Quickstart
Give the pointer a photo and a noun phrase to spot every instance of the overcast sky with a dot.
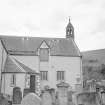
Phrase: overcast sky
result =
(48, 18)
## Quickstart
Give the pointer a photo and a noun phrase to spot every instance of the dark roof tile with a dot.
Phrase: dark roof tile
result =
(29, 46)
(14, 66)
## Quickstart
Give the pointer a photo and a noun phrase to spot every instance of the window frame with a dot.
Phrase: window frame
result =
(60, 75)
(44, 75)
(27, 81)
(13, 80)
(44, 59)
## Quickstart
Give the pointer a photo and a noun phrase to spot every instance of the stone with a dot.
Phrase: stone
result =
(3, 100)
(17, 95)
(46, 98)
(62, 89)
(26, 91)
(31, 99)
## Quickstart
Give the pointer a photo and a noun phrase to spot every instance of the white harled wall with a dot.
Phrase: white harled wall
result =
(71, 66)
(7, 88)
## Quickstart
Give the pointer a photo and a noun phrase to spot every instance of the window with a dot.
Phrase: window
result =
(44, 54)
(60, 75)
(13, 80)
(27, 81)
(44, 75)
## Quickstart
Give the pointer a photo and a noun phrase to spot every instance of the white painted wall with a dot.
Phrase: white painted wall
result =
(71, 66)
(6, 83)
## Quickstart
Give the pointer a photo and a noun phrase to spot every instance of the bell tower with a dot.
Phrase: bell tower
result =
(69, 30)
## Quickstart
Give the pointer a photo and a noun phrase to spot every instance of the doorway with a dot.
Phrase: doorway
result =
(32, 83)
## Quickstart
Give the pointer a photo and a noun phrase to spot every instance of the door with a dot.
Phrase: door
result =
(32, 83)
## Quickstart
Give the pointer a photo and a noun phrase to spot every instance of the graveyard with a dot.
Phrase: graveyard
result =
(94, 95)
(49, 71)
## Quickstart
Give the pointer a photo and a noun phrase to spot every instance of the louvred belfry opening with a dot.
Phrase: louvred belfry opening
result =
(69, 30)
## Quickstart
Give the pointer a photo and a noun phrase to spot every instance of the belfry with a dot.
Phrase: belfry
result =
(69, 30)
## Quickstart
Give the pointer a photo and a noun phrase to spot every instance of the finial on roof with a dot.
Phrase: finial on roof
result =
(69, 19)
(69, 30)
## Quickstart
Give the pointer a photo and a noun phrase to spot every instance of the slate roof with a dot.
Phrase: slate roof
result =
(30, 45)
(14, 66)
(26, 68)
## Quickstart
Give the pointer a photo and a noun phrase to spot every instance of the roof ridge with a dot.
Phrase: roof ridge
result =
(23, 47)
(14, 36)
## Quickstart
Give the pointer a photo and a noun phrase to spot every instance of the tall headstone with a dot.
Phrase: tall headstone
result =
(17, 95)
(46, 98)
(53, 95)
(62, 93)
(103, 97)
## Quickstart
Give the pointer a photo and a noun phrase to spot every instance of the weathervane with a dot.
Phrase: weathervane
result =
(69, 19)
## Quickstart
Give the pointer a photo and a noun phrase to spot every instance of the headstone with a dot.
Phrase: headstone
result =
(17, 95)
(62, 93)
(103, 97)
(46, 98)
(3, 100)
(26, 91)
(53, 95)
(31, 99)
(69, 96)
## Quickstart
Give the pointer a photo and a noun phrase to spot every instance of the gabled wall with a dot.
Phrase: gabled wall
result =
(71, 66)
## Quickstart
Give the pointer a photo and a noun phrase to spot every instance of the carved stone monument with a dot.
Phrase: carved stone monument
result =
(62, 93)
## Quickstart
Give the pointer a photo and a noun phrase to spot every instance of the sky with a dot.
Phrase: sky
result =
(49, 18)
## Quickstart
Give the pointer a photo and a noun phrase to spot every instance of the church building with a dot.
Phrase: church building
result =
(37, 62)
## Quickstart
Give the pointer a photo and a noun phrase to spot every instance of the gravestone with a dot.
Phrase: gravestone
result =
(53, 95)
(62, 93)
(31, 99)
(103, 96)
(69, 96)
(17, 95)
(46, 98)
(26, 91)
(3, 100)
